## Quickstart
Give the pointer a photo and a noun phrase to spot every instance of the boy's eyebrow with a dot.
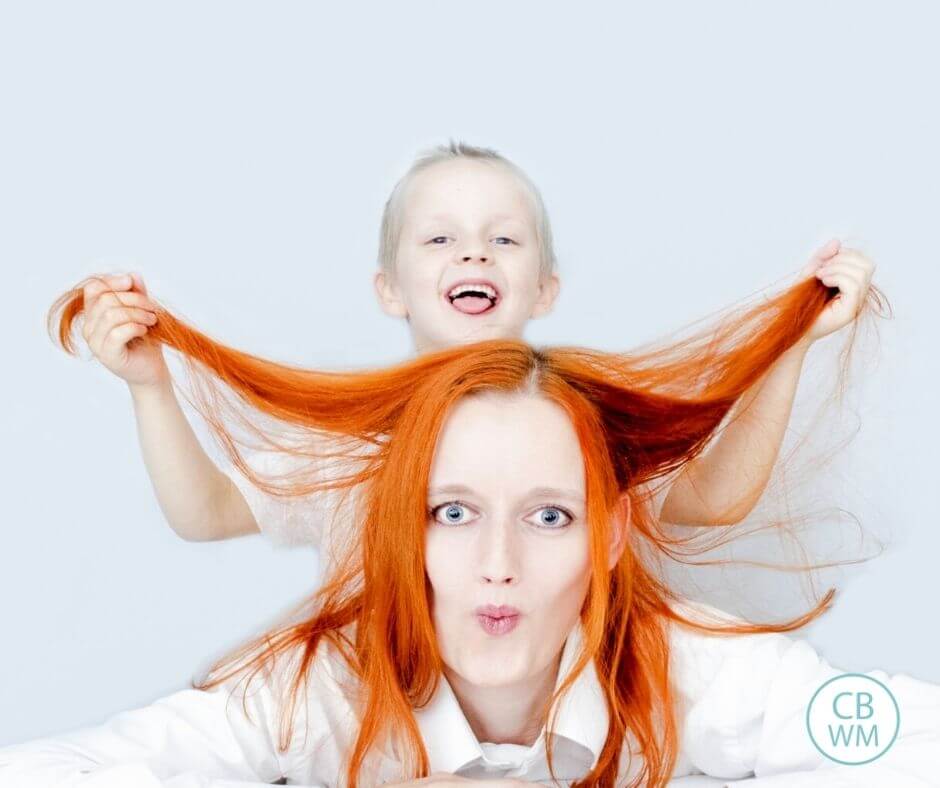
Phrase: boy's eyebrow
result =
(551, 492)
(446, 216)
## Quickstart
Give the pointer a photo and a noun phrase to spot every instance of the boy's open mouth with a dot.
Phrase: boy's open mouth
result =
(473, 298)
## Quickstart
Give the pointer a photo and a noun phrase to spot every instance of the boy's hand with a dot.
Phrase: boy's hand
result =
(850, 271)
(115, 328)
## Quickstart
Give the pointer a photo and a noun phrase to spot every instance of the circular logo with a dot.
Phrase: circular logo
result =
(853, 719)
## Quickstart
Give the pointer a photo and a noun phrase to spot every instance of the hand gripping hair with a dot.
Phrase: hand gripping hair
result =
(638, 416)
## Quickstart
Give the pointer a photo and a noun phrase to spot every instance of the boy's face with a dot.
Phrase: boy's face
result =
(466, 223)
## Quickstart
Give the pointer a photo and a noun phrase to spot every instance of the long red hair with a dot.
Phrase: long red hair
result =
(638, 417)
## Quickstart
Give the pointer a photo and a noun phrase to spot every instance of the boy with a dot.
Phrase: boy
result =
(465, 254)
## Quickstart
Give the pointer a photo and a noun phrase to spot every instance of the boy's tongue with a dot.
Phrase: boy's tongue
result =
(472, 305)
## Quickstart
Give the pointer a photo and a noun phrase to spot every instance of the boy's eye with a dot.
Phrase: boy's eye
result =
(444, 237)
(552, 517)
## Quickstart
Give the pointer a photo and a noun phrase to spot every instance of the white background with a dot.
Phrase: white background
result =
(239, 154)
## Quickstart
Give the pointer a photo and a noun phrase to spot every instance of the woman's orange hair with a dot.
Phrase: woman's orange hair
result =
(638, 417)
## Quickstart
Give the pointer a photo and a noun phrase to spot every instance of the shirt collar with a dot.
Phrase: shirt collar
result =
(581, 716)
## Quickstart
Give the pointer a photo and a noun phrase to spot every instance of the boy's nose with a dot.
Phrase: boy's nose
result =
(468, 257)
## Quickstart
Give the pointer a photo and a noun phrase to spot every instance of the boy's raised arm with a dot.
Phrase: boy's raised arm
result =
(199, 501)
(722, 486)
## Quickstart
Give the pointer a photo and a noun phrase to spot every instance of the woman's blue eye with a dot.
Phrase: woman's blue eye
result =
(553, 517)
(456, 513)
(453, 513)
(508, 239)
(436, 237)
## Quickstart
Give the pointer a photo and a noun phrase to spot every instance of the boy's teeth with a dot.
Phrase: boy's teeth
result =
(476, 288)
(472, 298)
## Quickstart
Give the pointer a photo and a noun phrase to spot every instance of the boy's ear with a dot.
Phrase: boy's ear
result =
(621, 527)
(389, 295)
(548, 292)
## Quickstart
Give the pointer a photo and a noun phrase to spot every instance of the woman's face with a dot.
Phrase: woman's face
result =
(507, 528)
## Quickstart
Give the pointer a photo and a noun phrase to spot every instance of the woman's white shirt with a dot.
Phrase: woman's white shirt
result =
(741, 706)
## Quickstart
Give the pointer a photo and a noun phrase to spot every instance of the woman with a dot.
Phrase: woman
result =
(495, 616)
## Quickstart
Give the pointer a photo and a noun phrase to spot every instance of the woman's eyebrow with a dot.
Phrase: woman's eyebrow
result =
(540, 492)
(450, 489)
(557, 492)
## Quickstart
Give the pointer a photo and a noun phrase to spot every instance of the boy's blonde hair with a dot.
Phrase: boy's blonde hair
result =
(393, 213)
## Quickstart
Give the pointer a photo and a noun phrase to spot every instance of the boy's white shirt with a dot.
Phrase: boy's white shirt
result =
(320, 520)
(741, 704)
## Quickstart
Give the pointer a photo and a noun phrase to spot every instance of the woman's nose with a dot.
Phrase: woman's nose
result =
(498, 554)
